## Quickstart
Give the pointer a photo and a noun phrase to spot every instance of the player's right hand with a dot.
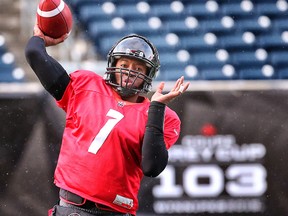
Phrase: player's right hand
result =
(48, 40)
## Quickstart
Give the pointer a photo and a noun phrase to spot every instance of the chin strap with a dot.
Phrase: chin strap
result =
(125, 93)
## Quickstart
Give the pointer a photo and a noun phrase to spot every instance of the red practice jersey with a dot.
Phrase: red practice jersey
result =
(100, 157)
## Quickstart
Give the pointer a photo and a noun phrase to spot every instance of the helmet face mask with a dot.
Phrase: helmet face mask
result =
(132, 47)
(125, 88)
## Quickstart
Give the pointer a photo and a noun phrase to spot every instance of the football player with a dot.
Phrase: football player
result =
(114, 135)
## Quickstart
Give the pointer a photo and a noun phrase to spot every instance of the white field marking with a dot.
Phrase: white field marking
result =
(52, 12)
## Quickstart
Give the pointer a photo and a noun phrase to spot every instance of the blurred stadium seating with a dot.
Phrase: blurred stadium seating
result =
(9, 72)
(201, 40)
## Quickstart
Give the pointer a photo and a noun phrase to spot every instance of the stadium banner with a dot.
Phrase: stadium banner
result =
(230, 158)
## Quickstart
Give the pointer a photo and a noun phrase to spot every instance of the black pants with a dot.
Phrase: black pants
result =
(71, 210)
(77, 206)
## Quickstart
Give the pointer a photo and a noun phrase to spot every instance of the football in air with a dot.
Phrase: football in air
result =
(54, 18)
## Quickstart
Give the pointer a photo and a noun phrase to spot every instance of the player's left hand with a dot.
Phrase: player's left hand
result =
(179, 88)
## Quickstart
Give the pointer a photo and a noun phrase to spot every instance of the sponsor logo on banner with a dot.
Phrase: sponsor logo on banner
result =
(212, 173)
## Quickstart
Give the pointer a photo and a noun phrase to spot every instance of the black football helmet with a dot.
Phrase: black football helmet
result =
(132, 46)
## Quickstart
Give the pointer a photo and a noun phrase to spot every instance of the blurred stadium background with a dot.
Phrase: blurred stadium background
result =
(202, 40)
(224, 47)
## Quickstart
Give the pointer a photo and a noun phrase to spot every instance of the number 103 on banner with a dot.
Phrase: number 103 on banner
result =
(238, 180)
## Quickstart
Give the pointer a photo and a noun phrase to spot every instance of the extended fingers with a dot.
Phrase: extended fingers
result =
(180, 87)
(160, 87)
(177, 84)
(184, 87)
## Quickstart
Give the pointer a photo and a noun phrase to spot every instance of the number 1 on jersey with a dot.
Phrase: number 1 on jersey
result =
(105, 130)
